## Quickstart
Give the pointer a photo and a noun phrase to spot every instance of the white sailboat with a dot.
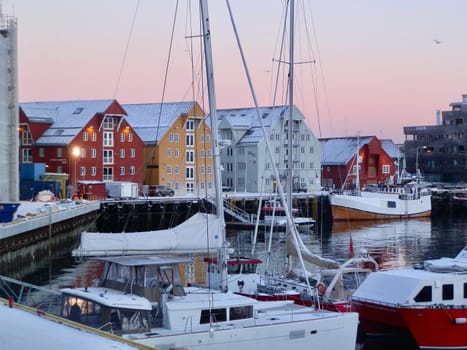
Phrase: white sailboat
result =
(141, 297)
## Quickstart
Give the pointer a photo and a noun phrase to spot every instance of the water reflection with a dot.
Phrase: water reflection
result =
(393, 244)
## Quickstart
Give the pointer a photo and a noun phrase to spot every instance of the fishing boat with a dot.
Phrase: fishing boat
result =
(428, 301)
(403, 199)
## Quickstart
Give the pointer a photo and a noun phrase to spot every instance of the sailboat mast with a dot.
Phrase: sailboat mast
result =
(291, 93)
(290, 125)
(214, 132)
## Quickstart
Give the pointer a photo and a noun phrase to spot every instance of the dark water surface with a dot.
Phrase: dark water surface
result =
(393, 244)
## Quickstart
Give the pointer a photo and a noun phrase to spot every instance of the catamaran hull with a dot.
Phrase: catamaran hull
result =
(431, 328)
(324, 334)
(348, 207)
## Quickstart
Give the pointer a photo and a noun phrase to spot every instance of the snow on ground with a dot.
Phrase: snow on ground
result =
(20, 330)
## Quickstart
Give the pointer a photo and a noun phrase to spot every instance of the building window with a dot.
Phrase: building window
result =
(177, 170)
(94, 136)
(59, 169)
(108, 139)
(209, 153)
(190, 173)
(130, 137)
(41, 152)
(83, 153)
(190, 140)
(190, 187)
(122, 171)
(386, 169)
(108, 156)
(108, 174)
(169, 170)
(202, 153)
(27, 138)
(93, 171)
(202, 169)
(59, 152)
(93, 153)
(132, 170)
(209, 169)
(177, 153)
(169, 153)
(27, 155)
(122, 153)
(190, 125)
(85, 136)
(82, 171)
(190, 156)
(132, 153)
(122, 137)
(109, 123)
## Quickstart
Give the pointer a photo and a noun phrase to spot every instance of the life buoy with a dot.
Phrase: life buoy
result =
(149, 204)
(119, 205)
(321, 287)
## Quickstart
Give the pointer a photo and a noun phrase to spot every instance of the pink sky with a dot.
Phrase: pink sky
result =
(378, 68)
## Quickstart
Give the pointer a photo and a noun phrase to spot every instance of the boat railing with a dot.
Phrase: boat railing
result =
(31, 295)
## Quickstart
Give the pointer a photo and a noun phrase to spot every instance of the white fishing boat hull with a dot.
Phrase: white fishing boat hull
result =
(375, 206)
(297, 331)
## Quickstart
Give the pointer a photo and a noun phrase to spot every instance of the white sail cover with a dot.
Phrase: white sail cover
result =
(201, 233)
(307, 255)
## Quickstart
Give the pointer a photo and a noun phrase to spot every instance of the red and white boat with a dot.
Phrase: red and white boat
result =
(331, 288)
(429, 301)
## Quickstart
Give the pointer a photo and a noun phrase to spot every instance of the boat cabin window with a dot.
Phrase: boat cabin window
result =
(448, 291)
(241, 312)
(82, 311)
(465, 290)
(213, 315)
(241, 268)
(424, 295)
(102, 317)
(118, 273)
(391, 204)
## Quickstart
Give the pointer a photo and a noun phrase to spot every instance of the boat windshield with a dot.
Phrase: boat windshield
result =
(103, 317)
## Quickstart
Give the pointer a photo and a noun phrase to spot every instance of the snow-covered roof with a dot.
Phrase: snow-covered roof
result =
(152, 120)
(68, 117)
(390, 148)
(247, 119)
(339, 151)
(399, 286)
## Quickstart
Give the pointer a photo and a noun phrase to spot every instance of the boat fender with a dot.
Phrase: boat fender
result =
(119, 205)
(321, 288)
(149, 204)
(460, 320)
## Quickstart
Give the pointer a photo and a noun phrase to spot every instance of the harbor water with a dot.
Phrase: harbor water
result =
(393, 244)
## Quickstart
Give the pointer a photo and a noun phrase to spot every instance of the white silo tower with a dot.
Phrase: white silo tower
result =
(9, 112)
